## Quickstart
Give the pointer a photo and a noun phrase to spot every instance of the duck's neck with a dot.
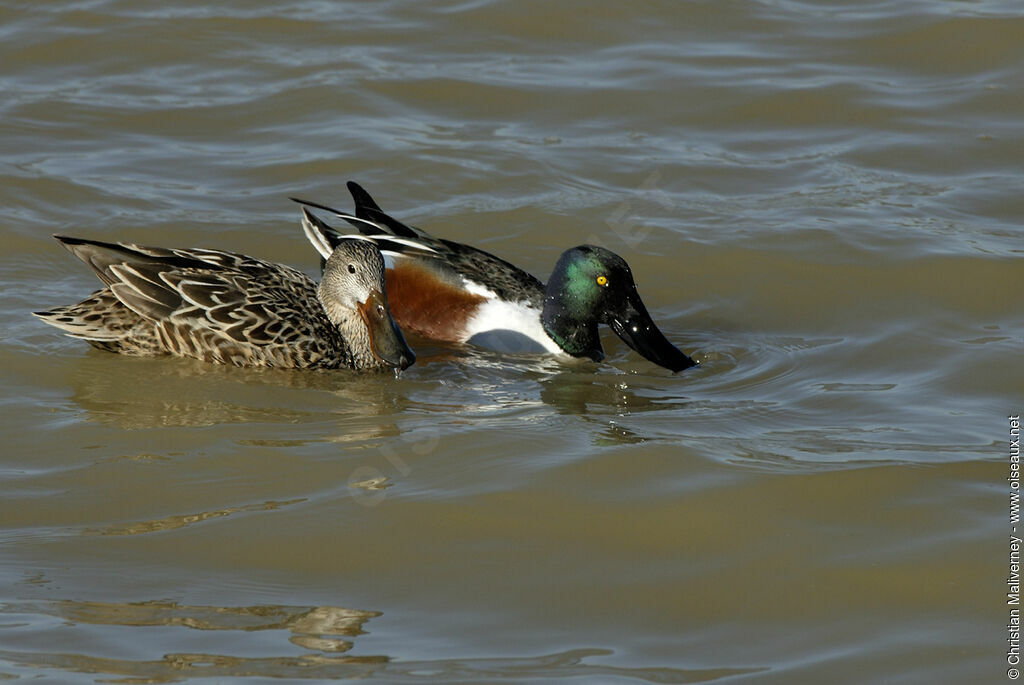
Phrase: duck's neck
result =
(575, 334)
(355, 338)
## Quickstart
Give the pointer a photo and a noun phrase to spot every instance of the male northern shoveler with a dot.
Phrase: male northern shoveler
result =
(457, 293)
(231, 309)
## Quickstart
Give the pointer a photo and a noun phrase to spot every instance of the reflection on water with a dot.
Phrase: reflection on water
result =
(590, 394)
(180, 521)
(325, 631)
(301, 621)
(614, 434)
(176, 667)
(168, 392)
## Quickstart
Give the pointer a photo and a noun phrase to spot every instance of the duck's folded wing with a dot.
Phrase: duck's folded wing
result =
(245, 299)
(456, 264)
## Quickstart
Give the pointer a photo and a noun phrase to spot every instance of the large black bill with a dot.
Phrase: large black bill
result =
(637, 329)
(386, 338)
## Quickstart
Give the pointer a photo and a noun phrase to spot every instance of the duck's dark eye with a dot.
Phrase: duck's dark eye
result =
(351, 268)
(380, 310)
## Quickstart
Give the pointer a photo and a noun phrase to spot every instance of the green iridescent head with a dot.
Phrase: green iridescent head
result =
(592, 285)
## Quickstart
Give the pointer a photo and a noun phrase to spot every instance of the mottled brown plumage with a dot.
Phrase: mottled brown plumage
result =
(228, 308)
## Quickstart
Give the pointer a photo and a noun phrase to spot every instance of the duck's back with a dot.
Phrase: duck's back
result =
(206, 304)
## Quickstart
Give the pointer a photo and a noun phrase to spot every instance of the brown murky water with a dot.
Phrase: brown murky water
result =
(821, 202)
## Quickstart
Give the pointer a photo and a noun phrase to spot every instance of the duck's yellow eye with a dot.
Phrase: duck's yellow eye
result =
(601, 280)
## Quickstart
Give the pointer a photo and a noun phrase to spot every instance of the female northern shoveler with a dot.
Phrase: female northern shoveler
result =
(231, 309)
(457, 293)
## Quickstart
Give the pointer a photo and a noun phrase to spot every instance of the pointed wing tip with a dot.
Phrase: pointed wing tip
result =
(364, 201)
(67, 240)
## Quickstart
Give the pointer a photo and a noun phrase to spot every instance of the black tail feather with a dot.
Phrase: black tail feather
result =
(366, 208)
(362, 198)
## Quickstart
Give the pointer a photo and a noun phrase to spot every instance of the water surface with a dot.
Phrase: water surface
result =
(820, 202)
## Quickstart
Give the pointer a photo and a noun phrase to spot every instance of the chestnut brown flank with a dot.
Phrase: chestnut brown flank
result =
(423, 303)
